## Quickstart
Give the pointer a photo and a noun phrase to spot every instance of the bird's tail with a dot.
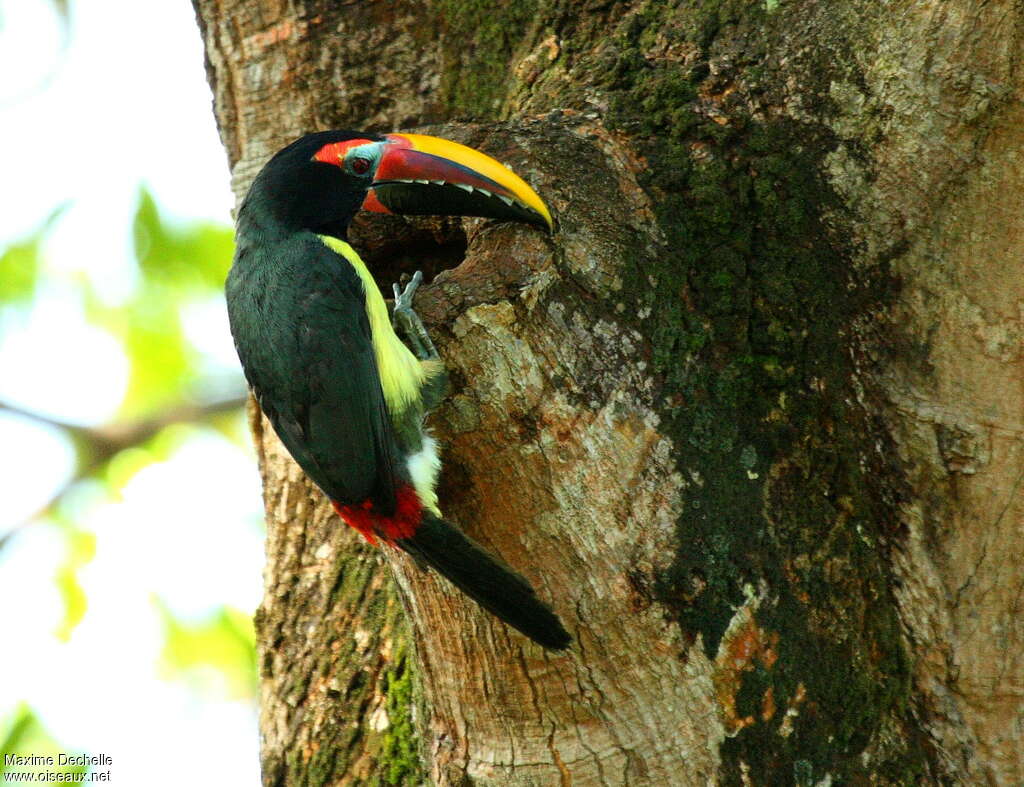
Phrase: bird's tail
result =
(486, 580)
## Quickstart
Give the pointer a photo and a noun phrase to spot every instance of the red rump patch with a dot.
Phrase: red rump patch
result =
(362, 517)
(334, 153)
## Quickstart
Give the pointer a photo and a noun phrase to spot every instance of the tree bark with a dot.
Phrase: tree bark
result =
(750, 418)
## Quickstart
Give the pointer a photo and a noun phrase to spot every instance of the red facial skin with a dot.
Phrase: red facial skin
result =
(335, 152)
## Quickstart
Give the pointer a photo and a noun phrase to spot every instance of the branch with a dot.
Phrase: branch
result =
(98, 445)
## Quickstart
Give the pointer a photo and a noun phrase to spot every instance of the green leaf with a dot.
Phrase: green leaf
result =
(19, 271)
(163, 364)
(123, 466)
(190, 257)
(81, 549)
(21, 262)
(178, 264)
(217, 654)
(19, 728)
(23, 735)
(126, 463)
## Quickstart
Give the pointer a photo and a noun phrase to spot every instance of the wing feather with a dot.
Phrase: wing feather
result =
(299, 321)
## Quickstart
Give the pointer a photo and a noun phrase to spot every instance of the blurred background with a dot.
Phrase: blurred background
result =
(130, 514)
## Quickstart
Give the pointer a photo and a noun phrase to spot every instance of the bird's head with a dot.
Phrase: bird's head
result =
(321, 180)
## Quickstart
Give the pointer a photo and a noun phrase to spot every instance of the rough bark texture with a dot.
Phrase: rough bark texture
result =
(750, 418)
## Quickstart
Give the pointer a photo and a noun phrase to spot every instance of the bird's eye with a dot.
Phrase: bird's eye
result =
(360, 166)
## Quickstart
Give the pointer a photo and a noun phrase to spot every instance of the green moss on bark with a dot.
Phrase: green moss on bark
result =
(373, 678)
(400, 753)
(481, 38)
(753, 307)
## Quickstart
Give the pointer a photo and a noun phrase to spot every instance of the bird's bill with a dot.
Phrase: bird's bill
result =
(420, 175)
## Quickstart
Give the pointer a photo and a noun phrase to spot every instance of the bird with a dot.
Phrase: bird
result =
(325, 362)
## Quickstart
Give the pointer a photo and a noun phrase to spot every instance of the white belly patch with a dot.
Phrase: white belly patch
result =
(423, 467)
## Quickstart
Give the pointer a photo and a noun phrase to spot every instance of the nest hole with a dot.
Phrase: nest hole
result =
(392, 246)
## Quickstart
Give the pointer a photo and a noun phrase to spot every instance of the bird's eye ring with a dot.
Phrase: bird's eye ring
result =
(360, 165)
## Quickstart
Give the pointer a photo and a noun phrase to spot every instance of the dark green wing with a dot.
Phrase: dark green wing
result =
(298, 318)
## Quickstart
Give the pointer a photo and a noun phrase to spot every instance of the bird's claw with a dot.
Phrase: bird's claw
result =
(403, 298)
(408, 322)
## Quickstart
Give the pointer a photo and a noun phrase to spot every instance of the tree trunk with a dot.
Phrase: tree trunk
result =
(750, 419)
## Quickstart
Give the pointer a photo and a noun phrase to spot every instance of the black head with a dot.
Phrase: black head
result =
(299, 190)
(318, 182)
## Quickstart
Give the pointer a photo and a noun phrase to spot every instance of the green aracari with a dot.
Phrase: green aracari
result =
(346, 396)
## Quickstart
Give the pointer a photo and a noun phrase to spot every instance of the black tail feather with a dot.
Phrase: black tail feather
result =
(485, 579)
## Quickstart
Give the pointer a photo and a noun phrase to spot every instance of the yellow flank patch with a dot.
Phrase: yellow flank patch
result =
(401, 373)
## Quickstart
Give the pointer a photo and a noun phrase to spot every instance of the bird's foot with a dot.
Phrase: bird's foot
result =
(403, 297)
(408, 323)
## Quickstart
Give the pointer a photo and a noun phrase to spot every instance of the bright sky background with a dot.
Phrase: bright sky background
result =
(129, 104)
